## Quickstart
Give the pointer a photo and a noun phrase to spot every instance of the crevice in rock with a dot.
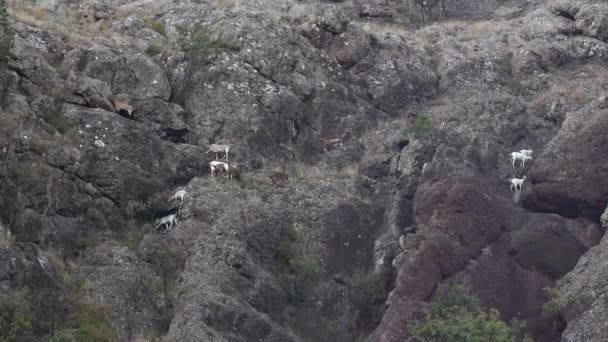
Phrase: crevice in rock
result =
(295, 131)
(217, 132)
(116, 203)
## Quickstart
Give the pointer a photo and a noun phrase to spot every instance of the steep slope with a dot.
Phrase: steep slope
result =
(354, 246)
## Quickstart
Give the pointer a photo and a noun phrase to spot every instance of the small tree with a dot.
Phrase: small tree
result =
(6, 34)
(200, 50)
(137, 295)
(420, 127)
(455, 316)
(167, 264)
(295, 272)
(15, 318)
(555, 303)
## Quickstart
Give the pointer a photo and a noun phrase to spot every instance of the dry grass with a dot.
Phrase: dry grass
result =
(74, 31)
(217, 4)
(93, 30)
(482, 27)
(348, 171)
(467, 30)
(383, 29)
(7, 240)
(253, 197)
(30, 15)
(581, 94)
(577, 94)
(147, 8)
(143, 338)
(301, 171)
(453, 26)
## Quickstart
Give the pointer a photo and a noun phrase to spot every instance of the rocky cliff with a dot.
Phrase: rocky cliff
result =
(428, 101)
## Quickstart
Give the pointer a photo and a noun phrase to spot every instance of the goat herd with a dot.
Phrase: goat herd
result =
(168, 218)
(230, 170)
(522, 155)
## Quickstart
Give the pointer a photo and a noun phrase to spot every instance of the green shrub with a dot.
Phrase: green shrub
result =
(89, 322)
(26, 176)
(295, 272)
(459, 324)
(449, 296)
(421, 125)
(299, 171)
(454, 316)
(200, 50)
(555, 301)
(6, 34)
(247, 183)
(83, 320)
(15, 318)
(367, 291)
(154, 49)
(505, 64)
(167, 264)
(60, 271)
(155, 284)
(286, 254)
(142, 188)
(59, 121)
(518, 88)
(132, 239)
(154, 24)
(38, 146)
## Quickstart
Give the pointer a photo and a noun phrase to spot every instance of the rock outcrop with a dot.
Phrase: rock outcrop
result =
(582, 295)
(413, 193)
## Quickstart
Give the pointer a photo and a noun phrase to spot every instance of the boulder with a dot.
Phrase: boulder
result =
(557, 182)
(133, 73)
(95, 93)
(583, 296)
(592, 20)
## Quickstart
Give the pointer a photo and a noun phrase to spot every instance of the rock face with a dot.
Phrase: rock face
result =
(395, 138)
(561, 186)
(584, 295)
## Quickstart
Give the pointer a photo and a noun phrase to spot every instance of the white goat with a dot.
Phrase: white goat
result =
(526, 152)
(168, 220)
(516, 183)
(521, 156)
(178, 196)
(215, 148)
(218, 166)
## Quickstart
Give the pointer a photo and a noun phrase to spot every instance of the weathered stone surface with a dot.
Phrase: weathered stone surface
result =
(95, 93)
(133, 73)
(389, 209)
(558, 184)
(592, 20)
(350, 47)
(397, 74)
(584, 292)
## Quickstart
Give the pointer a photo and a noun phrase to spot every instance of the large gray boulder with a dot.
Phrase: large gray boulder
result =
(592, 20)
(583, 295)
(558, 184)
(132, 73)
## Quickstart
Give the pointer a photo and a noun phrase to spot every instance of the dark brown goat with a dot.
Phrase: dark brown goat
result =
(278, 178)
(329, 143)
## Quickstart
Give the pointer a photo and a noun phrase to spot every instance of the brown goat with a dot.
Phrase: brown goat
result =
(234, 170)
(123, 108)
(329, 143)
(278, 178)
